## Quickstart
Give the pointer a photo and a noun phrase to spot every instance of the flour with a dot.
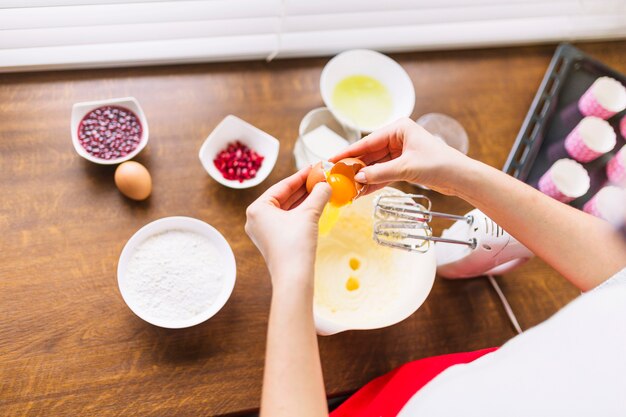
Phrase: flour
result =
(174, 275)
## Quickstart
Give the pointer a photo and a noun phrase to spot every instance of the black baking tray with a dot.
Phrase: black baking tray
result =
(554, 113)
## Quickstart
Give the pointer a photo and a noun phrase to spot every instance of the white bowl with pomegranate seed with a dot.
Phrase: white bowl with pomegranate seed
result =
(237, 154)
(110, 131)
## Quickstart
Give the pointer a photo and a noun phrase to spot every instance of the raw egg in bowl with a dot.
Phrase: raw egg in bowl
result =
(360, 284)
(366, 90)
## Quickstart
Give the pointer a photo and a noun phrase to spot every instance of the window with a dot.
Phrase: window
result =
(44, 34)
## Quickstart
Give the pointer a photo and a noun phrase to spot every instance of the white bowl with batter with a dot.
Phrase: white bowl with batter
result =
(361, 285)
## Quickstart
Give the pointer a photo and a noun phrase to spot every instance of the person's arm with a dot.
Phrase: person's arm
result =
(292, 383)
(584, 249)
(283, 225)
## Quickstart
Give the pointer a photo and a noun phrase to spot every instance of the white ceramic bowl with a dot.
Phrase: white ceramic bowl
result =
(377, 66)
(414, 272)
(323, 116)
(79, 110)
(232, 129)
(320, 116)
(178, 223)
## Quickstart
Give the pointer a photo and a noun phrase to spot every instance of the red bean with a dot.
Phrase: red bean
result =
(110, 132)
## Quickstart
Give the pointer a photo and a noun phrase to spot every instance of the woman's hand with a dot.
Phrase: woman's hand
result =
(283, 224)
(405, 151)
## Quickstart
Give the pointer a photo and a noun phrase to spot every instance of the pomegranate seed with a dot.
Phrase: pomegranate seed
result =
(238, 162)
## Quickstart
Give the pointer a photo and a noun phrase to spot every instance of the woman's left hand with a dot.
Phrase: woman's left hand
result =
(283, 224)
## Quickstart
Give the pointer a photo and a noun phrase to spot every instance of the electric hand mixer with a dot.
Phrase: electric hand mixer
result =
(481, 247)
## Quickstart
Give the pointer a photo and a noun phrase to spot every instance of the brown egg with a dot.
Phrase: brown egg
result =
(349, 167)
(355, 163)
(315, 175)
(133, 180)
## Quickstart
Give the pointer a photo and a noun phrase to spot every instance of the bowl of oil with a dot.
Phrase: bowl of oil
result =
(366, 90)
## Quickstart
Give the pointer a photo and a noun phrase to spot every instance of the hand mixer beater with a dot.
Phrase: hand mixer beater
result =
(481, 247)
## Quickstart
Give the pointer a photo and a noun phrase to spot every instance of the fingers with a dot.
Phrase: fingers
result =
(364, 147)
(300, 194)
(279, 193)
(298, 201)
(373, 157)
(386, 137)
(374, 187)
(381, 160)
(383, 172)
(317, 199)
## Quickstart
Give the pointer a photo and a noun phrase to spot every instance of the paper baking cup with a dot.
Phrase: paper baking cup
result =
(591, 138)
(616, 168)
(603, 99)
(566, 180)
(622, 127)
(609, 204)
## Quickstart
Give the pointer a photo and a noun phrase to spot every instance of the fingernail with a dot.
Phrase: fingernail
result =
(360, 177)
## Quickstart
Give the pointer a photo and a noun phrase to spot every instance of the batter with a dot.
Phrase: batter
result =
(361, 284)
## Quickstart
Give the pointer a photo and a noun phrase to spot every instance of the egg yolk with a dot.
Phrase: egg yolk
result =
(354, 264)
(352, 284)
(329, 217)
(343, 190)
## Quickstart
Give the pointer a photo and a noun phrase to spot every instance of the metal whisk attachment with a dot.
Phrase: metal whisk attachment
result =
(402, 221)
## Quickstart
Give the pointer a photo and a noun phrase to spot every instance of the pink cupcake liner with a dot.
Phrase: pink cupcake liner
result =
(616, 168)
(603, 90)
(608, 204)
(565, 181)
(576, 148)
(589, 106)
(547, 186)
(591, 207)
(622, 127)
(596, 131)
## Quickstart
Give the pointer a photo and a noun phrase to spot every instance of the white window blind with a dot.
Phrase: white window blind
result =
(48, 34)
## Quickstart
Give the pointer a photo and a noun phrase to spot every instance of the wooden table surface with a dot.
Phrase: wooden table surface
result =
(68, 343)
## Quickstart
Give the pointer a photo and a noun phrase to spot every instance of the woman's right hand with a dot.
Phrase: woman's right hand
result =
(405, 151)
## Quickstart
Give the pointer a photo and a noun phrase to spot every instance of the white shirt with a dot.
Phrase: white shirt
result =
(573, 364)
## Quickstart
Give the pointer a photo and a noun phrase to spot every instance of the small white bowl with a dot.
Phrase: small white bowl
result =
(80, 110)
(377, 66)
(231, 129)
(320, 116)
(178, 223)
(323, 116)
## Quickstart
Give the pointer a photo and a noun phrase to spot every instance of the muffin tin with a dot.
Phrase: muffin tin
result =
(554, 113)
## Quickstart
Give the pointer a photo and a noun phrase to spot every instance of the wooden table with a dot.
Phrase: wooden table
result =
(68, 343)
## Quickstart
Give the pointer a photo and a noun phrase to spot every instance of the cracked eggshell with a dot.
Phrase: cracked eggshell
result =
(349, 167)
(316, 175)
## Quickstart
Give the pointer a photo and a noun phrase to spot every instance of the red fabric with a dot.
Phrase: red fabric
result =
(386, 395)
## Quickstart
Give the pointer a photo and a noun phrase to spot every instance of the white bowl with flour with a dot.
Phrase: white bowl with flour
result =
(176, 272)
